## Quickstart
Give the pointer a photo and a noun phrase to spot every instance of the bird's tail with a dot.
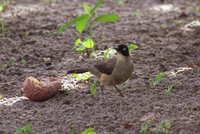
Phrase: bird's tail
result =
(80, 70)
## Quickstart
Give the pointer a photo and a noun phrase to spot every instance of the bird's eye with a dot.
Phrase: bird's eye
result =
(124, 49)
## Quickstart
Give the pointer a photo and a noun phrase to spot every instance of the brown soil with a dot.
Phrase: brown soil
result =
(30, 37)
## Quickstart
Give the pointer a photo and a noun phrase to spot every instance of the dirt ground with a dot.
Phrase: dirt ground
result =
(30, 37)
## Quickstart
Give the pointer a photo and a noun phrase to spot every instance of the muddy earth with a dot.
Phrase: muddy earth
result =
(30, 45)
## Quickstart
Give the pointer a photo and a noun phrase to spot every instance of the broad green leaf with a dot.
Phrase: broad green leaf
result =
(88, 131)
(24, 130)
(132, 47)
(97, 4)
(93, 88)
(87, 8)
(2, 7)
(107, 18)
(107, 53)
(80, 48)
(81, 24)
(83, 76)
(88, 43)
(73, 21)
(77, 42)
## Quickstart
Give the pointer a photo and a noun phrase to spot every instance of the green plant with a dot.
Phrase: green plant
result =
(93, 87)
(85, 22)
(4, 5)
(168, 90)
(88, 131)
(164, 126)
(120, 2)
(83, 76)
(158, 78)
(24, 130)
(145, 127)
(197, 8)
(1, 97)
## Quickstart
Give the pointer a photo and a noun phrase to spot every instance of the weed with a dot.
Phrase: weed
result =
(158, 78)
(164, 126)
(93, 88)
(88, 131)
(85, 22)
(197, 8)
(168, 90)
(24, 130)
(83, 76)
(145, 127)
(1, 96)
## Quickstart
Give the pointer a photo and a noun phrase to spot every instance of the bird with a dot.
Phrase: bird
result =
(113, 71)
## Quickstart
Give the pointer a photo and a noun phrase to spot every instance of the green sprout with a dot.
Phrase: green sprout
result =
(158, 78)
(1, 96)
(197, 8)
(83, 76)
(88, 131)
(145, 127)
(85, 22)
(164, 126)
(93, 88)
(24, 130)
(168, 90)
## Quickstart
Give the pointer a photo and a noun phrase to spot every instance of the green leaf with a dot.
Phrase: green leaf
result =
(73, 21)
(168, 90)
(106, 54)
(107, 18)
(159, 77)
(1, 97)
(2, 7)
(132, 47)
(88, 131)
(24, 130)
(81, 24)
(93, 88)
(88, 43)
(77, 42)
(97, 4)
(87, 8)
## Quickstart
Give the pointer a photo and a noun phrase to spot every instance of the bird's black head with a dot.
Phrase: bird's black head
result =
(122, 49)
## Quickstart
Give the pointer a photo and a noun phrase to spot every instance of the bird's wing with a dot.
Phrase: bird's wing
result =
(107, 66)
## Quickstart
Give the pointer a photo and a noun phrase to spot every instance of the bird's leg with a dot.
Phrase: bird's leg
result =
(118, 90)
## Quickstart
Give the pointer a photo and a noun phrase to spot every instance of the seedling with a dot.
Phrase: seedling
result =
(110, 51)
(83, 76)
(87, 45)
(168, 90)
(93, 88)
(164, 126)
(158, 78)
(4, 5)
(197, 8)
(88, 131)
(85, 22)
(1, 97)
(145, 127)
(24, 130)
(120, 2)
